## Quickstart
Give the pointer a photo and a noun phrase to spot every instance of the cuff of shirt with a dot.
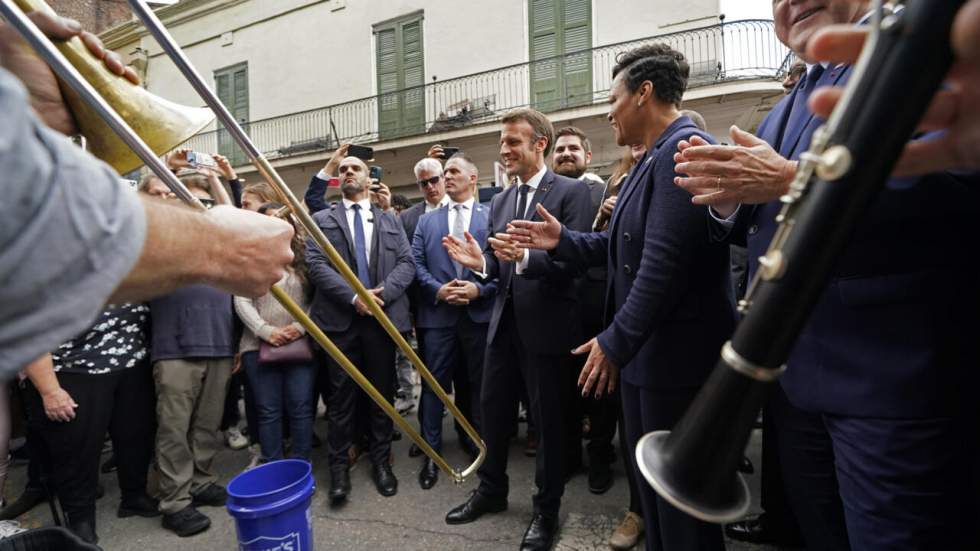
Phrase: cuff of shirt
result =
(482, 274)
(726, 223)
(353, 299)
(322, 175)
(522, 263)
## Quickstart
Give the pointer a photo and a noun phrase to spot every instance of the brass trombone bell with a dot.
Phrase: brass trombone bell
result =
(161, 123)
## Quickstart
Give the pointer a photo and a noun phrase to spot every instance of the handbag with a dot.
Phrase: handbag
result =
(298, 351)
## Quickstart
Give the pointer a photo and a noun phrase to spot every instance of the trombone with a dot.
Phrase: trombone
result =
(94, 100)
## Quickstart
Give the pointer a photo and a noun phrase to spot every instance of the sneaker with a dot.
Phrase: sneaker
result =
(235, 439)
(142, 505)
(212, 494)
(186, 522)
(627, 533)
(404, 404)
(9, 528)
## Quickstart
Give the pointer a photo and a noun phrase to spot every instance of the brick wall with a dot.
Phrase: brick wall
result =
(94, 15)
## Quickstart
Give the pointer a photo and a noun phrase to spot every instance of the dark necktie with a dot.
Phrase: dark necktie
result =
(522, 202)
(360, 248)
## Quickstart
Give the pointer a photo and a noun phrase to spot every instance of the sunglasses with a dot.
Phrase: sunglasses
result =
(208, 203)
(430, 181)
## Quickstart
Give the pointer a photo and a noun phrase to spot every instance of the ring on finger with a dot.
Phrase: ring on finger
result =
(719, 184)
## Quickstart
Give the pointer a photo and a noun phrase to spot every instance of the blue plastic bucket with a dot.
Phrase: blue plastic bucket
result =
(271, 506)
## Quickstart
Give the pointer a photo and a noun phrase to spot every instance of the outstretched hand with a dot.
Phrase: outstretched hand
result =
(952, 109)
(536, 235)
(599, 372)
(467, 252)
(18, 58)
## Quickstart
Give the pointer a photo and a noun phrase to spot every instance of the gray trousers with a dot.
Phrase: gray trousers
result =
(190, 403)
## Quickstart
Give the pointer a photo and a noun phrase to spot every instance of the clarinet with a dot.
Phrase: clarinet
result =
(848, 163)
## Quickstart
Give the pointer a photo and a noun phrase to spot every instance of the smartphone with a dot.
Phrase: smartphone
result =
(448, 152)
(375, 173)
(360, 151)
(196, 159)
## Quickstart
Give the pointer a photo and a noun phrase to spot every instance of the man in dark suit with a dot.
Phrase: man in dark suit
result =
(373, 244)
(533, 326)
(454, 306)
(573, 153)
(885, 366)
(667, 306)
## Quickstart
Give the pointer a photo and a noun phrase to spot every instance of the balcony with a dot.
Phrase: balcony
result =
(740, 50)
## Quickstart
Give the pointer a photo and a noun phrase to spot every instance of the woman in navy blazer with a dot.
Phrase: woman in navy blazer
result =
(668, 309)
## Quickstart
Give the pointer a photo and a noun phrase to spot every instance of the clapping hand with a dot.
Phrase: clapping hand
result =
(536, 235)
(468, 252)
(505, 248)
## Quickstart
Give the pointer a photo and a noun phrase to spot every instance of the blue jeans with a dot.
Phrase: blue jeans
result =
(278, 387)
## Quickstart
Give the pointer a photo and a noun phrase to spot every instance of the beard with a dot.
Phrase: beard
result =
(569, 169)
(351, 188)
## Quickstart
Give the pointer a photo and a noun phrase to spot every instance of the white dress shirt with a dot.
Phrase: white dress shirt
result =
(533, 184)
(367, 220)
(429, 207)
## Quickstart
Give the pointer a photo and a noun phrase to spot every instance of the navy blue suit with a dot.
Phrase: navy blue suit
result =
(360, 338)
(452, 335)
(668, 311)
(533, 327)
(888, 356)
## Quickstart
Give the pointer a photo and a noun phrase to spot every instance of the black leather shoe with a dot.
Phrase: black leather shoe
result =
(212, 495)
(141, 505)
(475, 507)
(84, 528)
(27, 501)
(339, 486)
(540, 534)
(745, 466)
(186, 522)
(600, 477)
(758, 530)
(414, 450)
(384, 480)
(429, 474)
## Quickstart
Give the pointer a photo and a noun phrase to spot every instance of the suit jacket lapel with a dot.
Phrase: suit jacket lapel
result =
(544, 186)
(632, 182)
(798, 122)
(443, 219)
(339, 214)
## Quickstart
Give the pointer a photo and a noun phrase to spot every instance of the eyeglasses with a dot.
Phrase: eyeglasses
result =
(430, 181)
(208, 203)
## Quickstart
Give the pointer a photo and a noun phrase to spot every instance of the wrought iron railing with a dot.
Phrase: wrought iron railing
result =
(727, 52)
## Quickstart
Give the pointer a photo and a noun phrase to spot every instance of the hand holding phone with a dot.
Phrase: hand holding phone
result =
(448, 152)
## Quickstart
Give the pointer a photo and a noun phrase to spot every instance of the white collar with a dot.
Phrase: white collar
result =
(442, 202)
(467, 203)
(365, 204)
(535, 180)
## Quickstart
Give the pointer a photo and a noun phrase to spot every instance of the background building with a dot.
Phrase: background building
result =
(400, 75)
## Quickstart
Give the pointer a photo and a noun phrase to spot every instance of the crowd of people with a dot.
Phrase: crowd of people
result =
(594, 307)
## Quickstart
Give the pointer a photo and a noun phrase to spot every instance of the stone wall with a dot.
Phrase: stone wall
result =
(94, 15)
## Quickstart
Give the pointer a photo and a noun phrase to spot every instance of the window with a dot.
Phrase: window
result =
(231, 85)
(558, 28)
(401, 76)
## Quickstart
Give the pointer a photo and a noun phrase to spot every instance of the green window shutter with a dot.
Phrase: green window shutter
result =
(231, 85)
(400, 67)
(577, 37)
(544, 68)
(413, 111)
(389, 104)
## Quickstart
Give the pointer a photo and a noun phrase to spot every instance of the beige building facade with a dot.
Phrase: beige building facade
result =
(400, 75)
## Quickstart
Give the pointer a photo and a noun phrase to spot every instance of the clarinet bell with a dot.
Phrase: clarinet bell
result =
(695, 466)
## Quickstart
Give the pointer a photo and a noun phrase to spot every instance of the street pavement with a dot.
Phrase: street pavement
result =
(411, 520)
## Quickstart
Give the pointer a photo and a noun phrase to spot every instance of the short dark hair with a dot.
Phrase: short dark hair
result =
(575, 131)
(540, 124)
(399, 201)
(663, 66)
(271, 205)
